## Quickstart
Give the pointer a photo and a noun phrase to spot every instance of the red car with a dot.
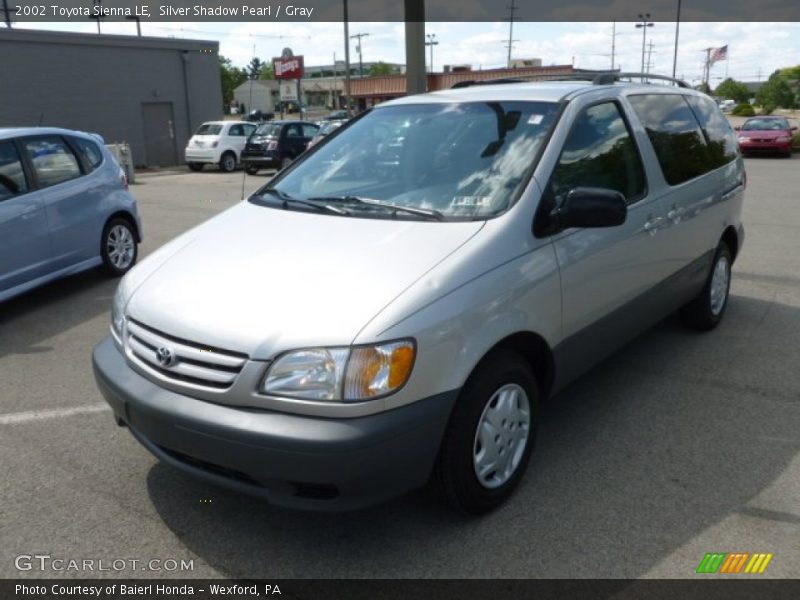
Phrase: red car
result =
(766, 134)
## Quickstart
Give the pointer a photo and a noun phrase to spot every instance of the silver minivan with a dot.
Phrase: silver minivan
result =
(394, 307)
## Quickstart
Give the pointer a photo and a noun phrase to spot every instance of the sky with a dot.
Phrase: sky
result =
(755, 49)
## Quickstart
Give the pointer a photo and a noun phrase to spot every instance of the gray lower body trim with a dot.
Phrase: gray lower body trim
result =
(290, 460)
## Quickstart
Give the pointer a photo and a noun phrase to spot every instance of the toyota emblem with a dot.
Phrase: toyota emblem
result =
(166, 357)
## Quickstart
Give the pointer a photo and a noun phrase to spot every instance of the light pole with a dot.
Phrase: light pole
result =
(677, 35)
(431, 42)
(645, 23)
(138, 24)
(7, 14)
(345, 18)
(360, 60)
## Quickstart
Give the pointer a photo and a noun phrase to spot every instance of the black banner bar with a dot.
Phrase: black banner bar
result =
(394, 10)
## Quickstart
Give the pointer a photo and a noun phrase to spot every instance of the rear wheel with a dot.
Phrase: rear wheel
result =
(196, 166)
(118, 249)
(228, 162)
(490, 435)
(706, 311)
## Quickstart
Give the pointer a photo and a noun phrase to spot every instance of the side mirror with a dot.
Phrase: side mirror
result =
(794, 128)
(590, 207)
(737, 128)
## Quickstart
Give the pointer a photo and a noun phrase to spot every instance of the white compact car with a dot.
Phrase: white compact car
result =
(218, 143)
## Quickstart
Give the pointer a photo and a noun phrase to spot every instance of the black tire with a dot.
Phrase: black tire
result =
(195, 166)
(250, 169)
(455, 473)
(227, 162)
(704, 312)
(118, 233)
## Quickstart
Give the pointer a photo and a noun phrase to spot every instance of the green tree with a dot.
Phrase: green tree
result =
(791, 72)
(254, 68)
(231, 77)
(266, 71)
(775, 93)
(380, 68)
(735, 90)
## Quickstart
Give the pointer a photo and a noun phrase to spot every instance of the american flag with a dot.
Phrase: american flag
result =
(718, 54)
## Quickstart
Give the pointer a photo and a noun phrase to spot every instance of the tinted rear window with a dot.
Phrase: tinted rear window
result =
(721, 141)
(12, 177)
(675, 134)
(208, 129)
(90, 152)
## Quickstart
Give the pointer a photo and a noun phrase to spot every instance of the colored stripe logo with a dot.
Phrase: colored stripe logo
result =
(733, 563)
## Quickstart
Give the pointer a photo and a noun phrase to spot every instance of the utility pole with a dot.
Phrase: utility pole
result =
(431, 42)
(346, 59)
(643, 25)
(614, 35)
(677, 35)
(358, 36)
(707, 67)
(649, 56)
(511, 40)
(7, 14)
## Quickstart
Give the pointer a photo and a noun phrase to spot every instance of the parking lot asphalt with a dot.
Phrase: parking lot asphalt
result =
(680, 444)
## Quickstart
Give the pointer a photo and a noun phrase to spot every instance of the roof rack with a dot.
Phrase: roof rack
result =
(596, 77)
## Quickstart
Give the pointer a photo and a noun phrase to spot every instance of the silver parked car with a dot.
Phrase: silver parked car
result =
(64, 208)
(395, 306)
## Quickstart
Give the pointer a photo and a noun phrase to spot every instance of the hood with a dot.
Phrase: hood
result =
(262, 280)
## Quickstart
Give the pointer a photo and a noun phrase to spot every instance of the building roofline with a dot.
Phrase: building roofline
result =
(117, 41)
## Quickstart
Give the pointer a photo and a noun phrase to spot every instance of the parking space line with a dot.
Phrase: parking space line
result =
(39, 415)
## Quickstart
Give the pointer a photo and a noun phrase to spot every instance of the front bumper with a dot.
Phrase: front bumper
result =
(290, 460)
(765, 147)
(264, 160)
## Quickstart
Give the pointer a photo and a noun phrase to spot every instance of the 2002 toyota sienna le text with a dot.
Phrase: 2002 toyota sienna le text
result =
(394, 307)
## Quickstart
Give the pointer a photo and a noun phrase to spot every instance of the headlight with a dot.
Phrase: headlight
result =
(118, 312)
(743, 138)
(784, 139)
(341, 374)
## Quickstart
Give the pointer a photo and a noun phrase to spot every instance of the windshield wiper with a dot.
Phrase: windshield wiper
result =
(420, 212)
(286, 199)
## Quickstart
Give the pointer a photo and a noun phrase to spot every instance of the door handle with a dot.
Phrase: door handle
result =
(29, 212)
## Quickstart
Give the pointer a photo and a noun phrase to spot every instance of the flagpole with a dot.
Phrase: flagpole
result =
(727, 58)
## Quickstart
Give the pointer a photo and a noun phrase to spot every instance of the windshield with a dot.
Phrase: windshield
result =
(766, 124)
(208, 129)
(268, 130)
(461, 160)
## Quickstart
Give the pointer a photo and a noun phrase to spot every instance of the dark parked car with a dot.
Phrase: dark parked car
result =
(275, 145)
(258, 116)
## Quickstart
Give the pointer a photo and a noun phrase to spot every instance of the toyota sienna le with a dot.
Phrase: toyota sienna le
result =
(395, 306)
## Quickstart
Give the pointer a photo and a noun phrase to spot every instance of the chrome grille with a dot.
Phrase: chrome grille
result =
(190, 363)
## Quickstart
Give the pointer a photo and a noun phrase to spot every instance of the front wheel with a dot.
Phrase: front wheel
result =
(706, 311)
(118, 249)
(490, 435)
(250, 169)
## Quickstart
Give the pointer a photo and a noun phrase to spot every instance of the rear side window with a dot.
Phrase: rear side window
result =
(721, 141)
(52, 160)
(91, 153)
(12, 177)
(675, 134)
(208, 129)
(236, 130)
(600, 152)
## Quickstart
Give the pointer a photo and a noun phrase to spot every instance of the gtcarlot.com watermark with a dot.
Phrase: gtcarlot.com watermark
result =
(60, 564)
